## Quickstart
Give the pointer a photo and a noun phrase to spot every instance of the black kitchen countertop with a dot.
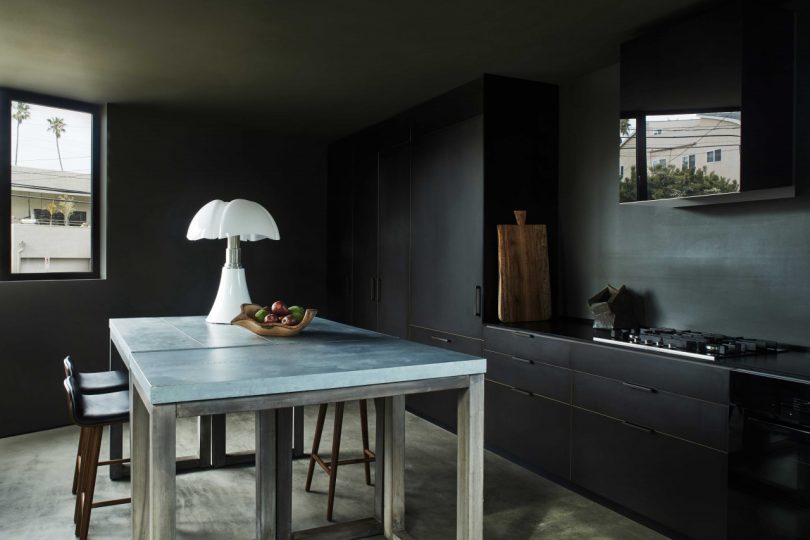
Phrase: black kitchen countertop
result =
(792, 364)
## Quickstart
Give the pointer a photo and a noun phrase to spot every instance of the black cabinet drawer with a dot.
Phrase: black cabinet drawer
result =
(542, 379)
(696, 420)
(678, 484)
(527, 346)
(653, 370)
(445, 340)
(532, 430)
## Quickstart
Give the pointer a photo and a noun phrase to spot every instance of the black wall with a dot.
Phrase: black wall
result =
(162, 168)
(740, 269)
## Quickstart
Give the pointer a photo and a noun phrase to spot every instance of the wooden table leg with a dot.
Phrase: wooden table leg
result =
(379, 463)
(162, 480)
(394, 477)
(284, 427)
(266, 474)
(204, 441)
(470, 483)
(139, 465)
(273, 474)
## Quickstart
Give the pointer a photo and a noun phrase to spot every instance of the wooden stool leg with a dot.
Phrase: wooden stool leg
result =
(78, 462)
(84, 436)
(91, 468)
(364, 431)
(316, 442)
(333, 467)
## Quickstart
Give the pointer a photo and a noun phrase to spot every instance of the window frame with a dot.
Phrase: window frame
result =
(640, 117)
(7, 95)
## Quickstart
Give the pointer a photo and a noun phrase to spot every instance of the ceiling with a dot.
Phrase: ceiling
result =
(318, 68)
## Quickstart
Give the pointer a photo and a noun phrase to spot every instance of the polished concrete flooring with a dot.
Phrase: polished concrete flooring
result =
(36, 471)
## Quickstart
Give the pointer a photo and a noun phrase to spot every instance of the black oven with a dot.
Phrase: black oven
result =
(769, 458)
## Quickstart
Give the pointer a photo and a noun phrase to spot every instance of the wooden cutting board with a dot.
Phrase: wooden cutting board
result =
(524, 287)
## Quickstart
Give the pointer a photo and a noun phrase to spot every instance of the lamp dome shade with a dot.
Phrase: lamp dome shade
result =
(247, 219)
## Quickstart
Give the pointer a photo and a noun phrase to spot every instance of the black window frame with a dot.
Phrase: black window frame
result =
(640, 117)
(7, 95)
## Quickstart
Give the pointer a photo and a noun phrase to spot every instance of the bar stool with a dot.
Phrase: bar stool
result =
(92, 412)
(334, 461)
(93, 383)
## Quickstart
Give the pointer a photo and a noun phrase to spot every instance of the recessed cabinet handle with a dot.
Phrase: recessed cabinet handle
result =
(638, 427)
(523, 334)
(442, 339)
(639, 387)
(373, 289)
(519, 359)
(524, 392)
(478, 300)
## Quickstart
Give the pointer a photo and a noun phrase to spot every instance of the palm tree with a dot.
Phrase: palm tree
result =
(22, 111)
(58, 126)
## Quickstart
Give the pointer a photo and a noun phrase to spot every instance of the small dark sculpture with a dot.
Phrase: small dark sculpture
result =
(613, 308)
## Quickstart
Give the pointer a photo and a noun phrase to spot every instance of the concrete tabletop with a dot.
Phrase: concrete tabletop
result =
(180, 359)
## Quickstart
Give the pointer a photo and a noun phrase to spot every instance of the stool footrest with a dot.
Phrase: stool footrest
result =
(114, 461)
(111, 502)
(326, 466)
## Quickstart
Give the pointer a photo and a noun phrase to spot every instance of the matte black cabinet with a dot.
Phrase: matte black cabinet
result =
(676, 483)
(369, 230)
(532, 430)
(447, 224)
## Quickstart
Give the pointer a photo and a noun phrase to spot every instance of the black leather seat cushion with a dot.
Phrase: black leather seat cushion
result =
(108, 408)
(102, 381)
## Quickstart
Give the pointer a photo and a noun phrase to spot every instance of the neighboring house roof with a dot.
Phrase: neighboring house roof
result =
(49, 181)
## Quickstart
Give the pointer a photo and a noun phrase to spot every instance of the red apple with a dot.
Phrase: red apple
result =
(271, 318)
(279, 308)
(289, 320)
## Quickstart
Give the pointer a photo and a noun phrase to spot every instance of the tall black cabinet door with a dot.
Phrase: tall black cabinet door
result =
(339, 234)
(394, 238)
(364, 233)
(447, 209)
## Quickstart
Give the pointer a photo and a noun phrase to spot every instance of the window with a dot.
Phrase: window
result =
(49, 162)
(688, 162)
(661, 152)
(713, 156)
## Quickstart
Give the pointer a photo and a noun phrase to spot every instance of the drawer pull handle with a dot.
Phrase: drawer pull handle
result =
(524, 392)
(519, 359)
(638, 427)
(523, 334)
(639, 387)
(442, 339)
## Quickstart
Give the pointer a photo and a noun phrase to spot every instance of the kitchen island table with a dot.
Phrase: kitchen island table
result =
(327, 362)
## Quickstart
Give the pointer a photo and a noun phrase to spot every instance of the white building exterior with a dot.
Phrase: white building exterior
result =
(710, 141)
(44, 243)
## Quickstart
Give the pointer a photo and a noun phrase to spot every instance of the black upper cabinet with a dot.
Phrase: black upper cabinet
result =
(448, 225)
(735, 56)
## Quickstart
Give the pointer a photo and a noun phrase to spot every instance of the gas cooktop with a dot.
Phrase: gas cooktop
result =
(700, 345)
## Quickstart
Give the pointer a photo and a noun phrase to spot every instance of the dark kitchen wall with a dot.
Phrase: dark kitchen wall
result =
(162, 167)
(741, 269)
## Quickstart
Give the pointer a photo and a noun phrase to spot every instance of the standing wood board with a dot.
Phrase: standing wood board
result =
(524, 287)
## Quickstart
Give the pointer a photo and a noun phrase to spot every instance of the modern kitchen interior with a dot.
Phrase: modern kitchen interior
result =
(440, 312)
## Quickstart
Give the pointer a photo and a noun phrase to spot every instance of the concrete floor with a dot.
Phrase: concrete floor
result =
(36, 471)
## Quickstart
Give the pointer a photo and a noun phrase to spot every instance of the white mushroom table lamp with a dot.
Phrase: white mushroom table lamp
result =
(234, 220)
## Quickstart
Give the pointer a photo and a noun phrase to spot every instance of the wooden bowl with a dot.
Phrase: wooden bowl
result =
(247, 320)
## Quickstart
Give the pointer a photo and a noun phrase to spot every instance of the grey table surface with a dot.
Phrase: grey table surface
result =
(181, 359)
